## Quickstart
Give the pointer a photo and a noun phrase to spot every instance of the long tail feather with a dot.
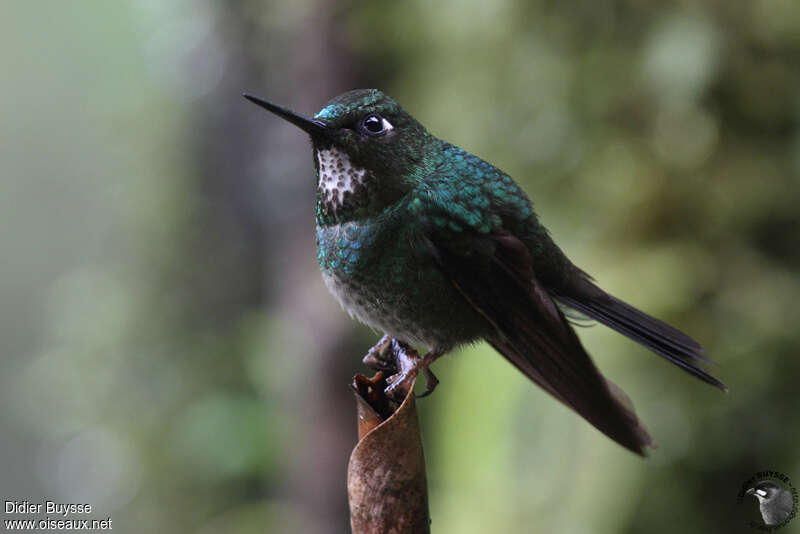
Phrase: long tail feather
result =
(648, 331)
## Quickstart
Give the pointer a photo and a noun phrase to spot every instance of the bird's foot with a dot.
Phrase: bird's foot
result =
(379, 356)
(409, 365)
(430, 381)
(404, 363)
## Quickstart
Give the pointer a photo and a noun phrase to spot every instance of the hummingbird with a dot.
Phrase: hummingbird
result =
(437, 248)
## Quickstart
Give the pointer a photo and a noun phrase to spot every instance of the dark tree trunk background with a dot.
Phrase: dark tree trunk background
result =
(258, 209)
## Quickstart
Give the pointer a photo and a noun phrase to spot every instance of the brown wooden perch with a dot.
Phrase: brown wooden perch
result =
(386, 484)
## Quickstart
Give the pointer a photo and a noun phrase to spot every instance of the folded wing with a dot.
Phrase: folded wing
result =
(496, 278)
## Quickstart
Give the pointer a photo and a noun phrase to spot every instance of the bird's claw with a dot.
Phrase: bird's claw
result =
(401, 382)
(430, 382)
(404, 363)
(398, 386)
(377, 358)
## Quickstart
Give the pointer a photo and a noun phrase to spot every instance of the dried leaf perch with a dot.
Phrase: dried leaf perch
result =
(386, 483)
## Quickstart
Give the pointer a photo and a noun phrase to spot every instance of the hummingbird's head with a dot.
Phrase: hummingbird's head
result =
(368, 152)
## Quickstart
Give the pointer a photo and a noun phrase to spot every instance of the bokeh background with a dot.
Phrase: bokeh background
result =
(170, 354)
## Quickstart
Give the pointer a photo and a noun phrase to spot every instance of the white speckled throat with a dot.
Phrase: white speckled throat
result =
(338, 177)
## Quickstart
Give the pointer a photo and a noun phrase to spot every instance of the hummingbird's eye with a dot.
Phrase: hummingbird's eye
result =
(374, 124)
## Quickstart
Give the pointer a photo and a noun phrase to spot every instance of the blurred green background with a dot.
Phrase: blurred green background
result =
(171, 356)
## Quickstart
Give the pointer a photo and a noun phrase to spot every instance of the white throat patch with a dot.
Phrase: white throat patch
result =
(337, 175)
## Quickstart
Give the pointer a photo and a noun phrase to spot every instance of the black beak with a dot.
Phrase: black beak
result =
(310, 126)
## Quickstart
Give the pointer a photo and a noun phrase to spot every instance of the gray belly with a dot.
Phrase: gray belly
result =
(384, 285)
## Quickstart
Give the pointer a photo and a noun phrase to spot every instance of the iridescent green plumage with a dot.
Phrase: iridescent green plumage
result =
(436, 247)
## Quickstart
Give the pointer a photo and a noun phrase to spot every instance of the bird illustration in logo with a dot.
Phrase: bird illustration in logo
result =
(774, 502)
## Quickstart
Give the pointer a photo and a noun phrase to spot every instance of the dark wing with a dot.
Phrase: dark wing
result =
(495, 275)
